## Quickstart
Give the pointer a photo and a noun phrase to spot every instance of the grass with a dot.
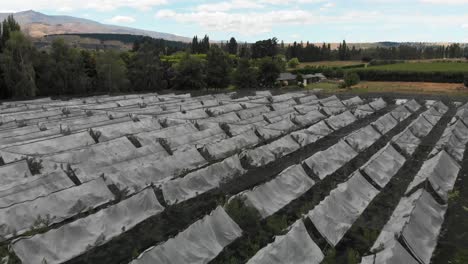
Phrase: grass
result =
(328, 63)
(424, 67)
(452, 89)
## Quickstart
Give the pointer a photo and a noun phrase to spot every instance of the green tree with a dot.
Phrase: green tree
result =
(245, 76)
(111, 72)
(218, 68)
(189, 73)
(145, 70)
(265, 48)
(293, 63)
(9, 25)
(17, 66)
(269, 71)
(68, 71)
(350, 79)
(232, 46)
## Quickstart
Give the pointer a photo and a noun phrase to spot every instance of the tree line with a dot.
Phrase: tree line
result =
(26, 71)
(310, 52)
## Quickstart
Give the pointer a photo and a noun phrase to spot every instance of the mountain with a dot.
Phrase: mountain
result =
(37, 25)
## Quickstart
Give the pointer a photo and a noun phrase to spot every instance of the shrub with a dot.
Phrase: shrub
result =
(35, 166)
(248, 218)
(350, 79)
(293, 63)
(410, 76)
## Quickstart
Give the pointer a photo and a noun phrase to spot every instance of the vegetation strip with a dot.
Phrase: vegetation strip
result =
(360, 238)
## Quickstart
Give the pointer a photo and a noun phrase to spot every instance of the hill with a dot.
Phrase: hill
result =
(38, 25)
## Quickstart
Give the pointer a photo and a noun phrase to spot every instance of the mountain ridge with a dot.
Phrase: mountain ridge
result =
(38, 25)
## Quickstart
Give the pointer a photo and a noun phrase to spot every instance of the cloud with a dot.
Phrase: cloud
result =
(445, 2)
(229, 5)
(71, 5)
(248, 23)
(121, 19)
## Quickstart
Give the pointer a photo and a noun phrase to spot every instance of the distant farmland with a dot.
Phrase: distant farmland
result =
(424, 67)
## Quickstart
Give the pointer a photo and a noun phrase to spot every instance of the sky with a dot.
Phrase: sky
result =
(288, 20)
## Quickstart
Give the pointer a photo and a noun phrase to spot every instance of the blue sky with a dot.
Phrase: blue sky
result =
(288, 20)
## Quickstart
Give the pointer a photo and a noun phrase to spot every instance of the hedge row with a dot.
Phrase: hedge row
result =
(410, 76)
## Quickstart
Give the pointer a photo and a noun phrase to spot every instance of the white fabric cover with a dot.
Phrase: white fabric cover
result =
(335, 215)
(421, 127)
(326, 162)
(363, 111)
(52, 145)
(407, 141)
(432, 115)
(28, 189)
(121, 129)
(248, 113)
(284, 104)
(312, 134)
(441, 171)
(384, 165)
(308, 99)
(271, 196)
(378, 104)
(412, 105)
(417, 219)
(223, 109)
(333, 107)
(14, 172)
(276, 129)
(230, 146)
(266, 154)
(394, 255)
(453, 140)
(342, 120)
(400, 113)
(138, 173)
(385, 123)
(55, 207)
(75, 238)
(295, 247)
(280, 114)
(308, 119)
(363, 138)
(148, 138)
(198, 244)
(353, 101)
(201, 181)
(304, 109)
(422, 230)
(213, 135)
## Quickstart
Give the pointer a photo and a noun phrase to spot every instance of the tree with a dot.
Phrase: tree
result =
(195, 49)
(265, 48)
(293, 63)
(111, 72)
(232, 46)
(245, 76)
(9, 25)
(218, 68)
(17, 66)
(350, 79)
(465, 80)
(145, 71)
(269, 71)
(68, 69)
(189, 73)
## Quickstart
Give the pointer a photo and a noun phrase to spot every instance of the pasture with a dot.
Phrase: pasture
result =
(230, 178)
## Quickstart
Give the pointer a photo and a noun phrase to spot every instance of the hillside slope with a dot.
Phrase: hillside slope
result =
(38, 25)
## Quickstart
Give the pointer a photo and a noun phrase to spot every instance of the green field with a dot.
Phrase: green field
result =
(424, 67)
